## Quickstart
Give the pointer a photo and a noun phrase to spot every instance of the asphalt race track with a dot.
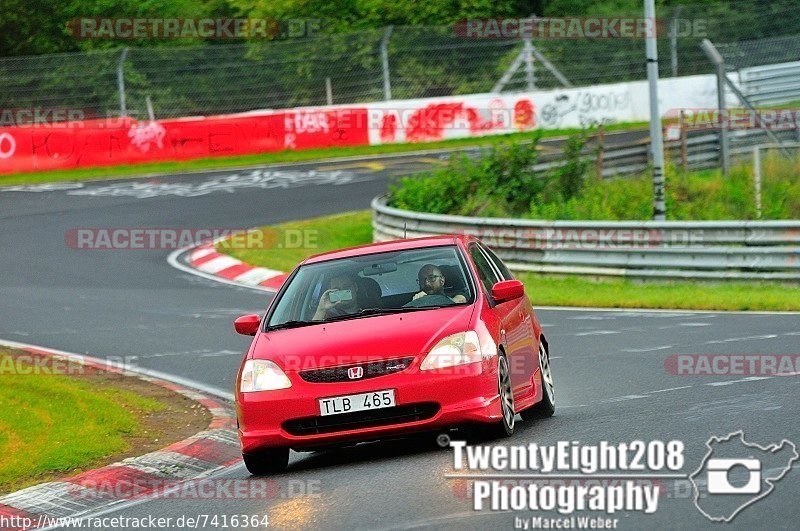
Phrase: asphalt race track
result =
(611, 382)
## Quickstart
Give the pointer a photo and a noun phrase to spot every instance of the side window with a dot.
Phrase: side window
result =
(499, 265)
(485, 272)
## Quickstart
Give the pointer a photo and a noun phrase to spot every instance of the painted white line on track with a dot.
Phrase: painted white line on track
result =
(651, 349)
(736, 339)
(625, 397)
(646, 394)
(596, 333)
(672, 389)
(731, 382)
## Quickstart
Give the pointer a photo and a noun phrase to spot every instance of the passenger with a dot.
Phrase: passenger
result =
(327, 308)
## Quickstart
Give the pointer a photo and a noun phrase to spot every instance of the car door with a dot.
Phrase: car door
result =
(509, 316)
(519, 331)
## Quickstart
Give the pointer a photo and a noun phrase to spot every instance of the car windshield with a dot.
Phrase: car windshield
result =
(397, 281)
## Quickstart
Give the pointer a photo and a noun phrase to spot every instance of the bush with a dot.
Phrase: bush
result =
(501, 183)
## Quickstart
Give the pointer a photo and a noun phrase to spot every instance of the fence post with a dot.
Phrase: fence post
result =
(601, 145)
(123, 110)
(757, 178)
(328, 91)
(656, 133)
(387, 85)
(530, 78)
(684, 143)
(673, 40)
(150, 113)
(724, 146)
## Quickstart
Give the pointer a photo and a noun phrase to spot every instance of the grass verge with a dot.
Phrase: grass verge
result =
(354, 228)
(221, 163)
(57, 421)
(313, 236)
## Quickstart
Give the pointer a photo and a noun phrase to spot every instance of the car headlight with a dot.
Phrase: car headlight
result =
(262, 375)
(458, 349)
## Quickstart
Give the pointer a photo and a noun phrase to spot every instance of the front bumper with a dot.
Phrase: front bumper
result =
(463, 395)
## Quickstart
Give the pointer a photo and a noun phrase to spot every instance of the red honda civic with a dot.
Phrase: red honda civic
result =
(388, 339)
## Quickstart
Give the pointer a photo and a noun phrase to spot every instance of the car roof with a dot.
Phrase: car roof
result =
(392, 245)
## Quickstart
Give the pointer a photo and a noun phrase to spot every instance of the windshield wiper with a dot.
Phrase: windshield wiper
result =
(291, 324)
(356, 315)
(376, 311)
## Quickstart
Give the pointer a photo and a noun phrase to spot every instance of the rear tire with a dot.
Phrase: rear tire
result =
(271, 461)
(547, 406)
(504, 428)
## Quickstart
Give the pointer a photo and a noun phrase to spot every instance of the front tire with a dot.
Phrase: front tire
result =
(547, 406)
(504, 428)
(271, 461)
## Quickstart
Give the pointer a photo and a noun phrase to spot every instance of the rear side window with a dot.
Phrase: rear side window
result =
(485, 272)
(501, 267)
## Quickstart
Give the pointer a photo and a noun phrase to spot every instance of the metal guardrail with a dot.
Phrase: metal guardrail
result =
(771, 84)
(702, 151)
(765, 250)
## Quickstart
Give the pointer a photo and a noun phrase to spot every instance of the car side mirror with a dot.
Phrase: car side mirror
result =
(507, 290)
(247, 325)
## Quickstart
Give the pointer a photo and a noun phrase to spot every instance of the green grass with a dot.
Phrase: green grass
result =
(496, 186)
(319, 235)
(53, 423)
(310, 155)
(354, 228)
(551, 290)
(698, 195)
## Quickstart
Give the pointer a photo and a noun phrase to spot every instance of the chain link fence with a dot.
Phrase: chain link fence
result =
(388, 63)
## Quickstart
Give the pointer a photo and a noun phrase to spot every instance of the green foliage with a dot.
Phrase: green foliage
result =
(502, 182)
(696, 196)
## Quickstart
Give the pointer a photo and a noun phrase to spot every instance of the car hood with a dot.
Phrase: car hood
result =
(378, 337)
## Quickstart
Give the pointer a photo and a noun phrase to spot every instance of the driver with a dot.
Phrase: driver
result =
(431, 282)
(327, 308)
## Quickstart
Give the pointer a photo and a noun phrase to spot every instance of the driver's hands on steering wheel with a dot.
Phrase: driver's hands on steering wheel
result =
(418, 295)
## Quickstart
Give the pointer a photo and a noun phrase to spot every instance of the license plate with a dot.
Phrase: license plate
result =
(361, 402)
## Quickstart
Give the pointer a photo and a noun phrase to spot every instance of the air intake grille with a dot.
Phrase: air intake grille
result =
(362, 419)
(370, 370)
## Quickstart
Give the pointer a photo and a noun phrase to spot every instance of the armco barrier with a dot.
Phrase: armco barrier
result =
(768, 250)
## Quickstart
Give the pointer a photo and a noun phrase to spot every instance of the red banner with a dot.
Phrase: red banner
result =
(92, 143)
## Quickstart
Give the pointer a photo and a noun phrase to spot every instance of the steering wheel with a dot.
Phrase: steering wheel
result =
(430, 300)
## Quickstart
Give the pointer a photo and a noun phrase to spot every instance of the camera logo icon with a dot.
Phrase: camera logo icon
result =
(721, 471)
(736, 473)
